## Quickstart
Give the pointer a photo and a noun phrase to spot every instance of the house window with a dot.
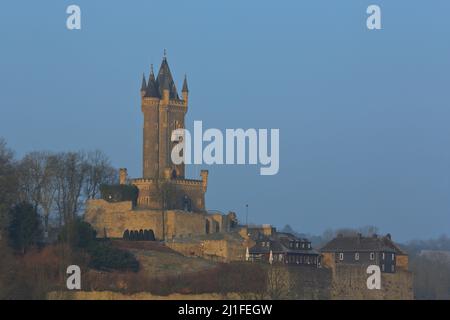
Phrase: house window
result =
(372, 256)
(383, 255)
(357, 256)
(382, 267)
(297, 244)
(341, 256)
(393, 256)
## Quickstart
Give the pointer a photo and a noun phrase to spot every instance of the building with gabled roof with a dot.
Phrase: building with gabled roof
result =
(360, 250)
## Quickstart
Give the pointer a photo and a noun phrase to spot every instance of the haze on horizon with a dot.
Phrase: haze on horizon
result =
(363, 115)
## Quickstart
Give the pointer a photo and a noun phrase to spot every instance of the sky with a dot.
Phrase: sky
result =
(363, 115)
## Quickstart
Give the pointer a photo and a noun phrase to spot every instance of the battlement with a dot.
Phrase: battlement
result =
(177, 181)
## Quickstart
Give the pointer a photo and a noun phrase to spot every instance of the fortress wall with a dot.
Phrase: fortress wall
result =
(150, 195)
(350, 282)
(115, 218)
(182, 224)
(308, 283)
(223, 250)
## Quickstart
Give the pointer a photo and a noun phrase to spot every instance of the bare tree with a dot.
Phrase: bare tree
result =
(8, 183)
(37, 176)
(278, 285)
(71, 171)
(98, 171)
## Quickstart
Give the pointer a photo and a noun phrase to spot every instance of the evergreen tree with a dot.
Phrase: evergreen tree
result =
(24, 227)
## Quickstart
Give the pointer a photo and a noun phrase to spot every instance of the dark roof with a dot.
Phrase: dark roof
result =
(164, 80)
(144, 84)
(359, 243)
(279, 243)
(185, 86)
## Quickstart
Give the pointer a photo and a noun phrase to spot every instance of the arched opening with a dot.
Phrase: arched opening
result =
(187, 203)
(207, 227)
(126, 235)
(141, 235)
(174, 174)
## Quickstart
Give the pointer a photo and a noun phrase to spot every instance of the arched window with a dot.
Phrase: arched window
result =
(126, 235)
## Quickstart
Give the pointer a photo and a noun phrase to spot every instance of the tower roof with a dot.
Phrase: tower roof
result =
(165, 80)
(144, 85)
(185, 85)
(151, 90)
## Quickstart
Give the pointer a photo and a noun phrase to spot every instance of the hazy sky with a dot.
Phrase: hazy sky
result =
(364, 116)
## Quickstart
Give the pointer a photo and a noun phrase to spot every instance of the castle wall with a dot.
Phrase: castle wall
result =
(115, 218)
(350, 282)
(223, 250)
(150, 195)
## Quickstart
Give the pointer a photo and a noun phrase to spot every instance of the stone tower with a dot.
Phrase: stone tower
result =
(163, 112)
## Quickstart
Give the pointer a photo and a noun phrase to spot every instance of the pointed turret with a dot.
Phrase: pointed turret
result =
(165, 80)
(185, 90)
(151, 77)
(143, 86)
(185, 85)
(151, 90)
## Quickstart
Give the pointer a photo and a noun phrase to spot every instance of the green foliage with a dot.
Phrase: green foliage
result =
(24, 227)
(119, 192)
(103, 256)
(78, 234)
(106, 257)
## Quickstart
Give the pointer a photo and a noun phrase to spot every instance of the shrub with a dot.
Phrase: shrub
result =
(119, 192)
(103, 256)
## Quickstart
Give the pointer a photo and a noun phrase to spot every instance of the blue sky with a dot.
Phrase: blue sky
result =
(363, 115)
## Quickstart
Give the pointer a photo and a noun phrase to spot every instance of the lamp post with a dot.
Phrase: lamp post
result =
(246, 215)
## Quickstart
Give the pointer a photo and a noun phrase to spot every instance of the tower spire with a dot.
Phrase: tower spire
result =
(151, 77)
(185, 85)
(144, 83)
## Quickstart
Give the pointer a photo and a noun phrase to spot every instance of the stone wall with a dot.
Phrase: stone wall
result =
(225, 249)
(112, 219)
(350, 282)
